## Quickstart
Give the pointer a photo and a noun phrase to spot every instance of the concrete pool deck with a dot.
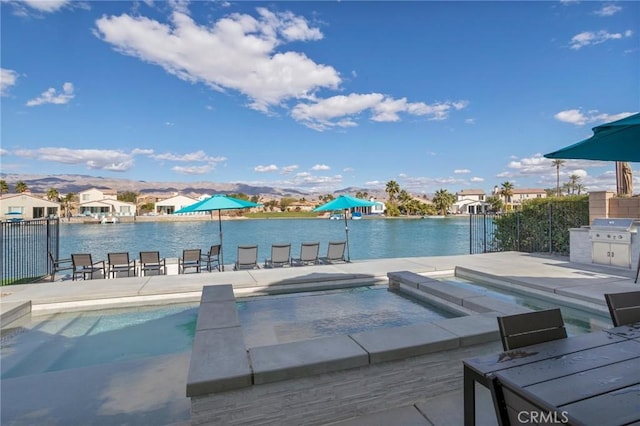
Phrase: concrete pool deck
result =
(152, 391)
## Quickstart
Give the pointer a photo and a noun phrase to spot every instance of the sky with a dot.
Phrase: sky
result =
(315, 96)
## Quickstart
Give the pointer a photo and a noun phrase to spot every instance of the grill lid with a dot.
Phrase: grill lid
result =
(619, 224)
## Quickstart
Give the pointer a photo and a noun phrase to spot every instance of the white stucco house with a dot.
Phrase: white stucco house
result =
(26, 206)
(173, 204)
(103, 202)
(470, 201)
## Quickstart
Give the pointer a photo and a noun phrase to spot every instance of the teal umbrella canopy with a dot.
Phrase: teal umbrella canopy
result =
(344, 202)
(218, 202)
(615, 141)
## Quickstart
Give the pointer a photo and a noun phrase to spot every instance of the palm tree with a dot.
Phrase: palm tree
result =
(4, 188)
(53, 194)
(573, 182)
(580, 187)
(443, 200)
(506, 191)
(21, 187)
(67, 200)
(392, 189)
(557, 164)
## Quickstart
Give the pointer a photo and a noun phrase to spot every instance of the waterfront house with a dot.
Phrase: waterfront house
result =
(95, 194)
(470, 201)
(173, 204)
(518, 195)
(26, 206)
(107, 207)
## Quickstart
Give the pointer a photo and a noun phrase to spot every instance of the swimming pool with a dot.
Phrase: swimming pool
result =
(269, 320)
(577, 321)
(70, 340)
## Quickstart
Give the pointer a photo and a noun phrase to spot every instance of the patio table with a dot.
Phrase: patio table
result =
(593, 377)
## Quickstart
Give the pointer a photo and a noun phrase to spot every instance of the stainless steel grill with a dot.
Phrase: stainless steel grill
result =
(611, 241)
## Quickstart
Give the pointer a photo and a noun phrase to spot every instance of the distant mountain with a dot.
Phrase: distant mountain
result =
(78, 183)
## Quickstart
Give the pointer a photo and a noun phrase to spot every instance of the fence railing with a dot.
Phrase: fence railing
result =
(540, 229)
(25, 248)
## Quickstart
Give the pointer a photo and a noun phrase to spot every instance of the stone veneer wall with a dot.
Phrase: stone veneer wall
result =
(606, 204)
(340, 395)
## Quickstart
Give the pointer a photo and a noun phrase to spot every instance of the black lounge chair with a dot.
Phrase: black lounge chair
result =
(85, 267)
(280, 256)
(247, 258)
(119, 263)
(308, 254)
(335, 252)
(59, 265)
(190, 260)
(150, 261)
(212, 258)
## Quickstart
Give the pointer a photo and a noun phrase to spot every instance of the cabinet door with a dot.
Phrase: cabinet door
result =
(601, 253)
(621, 255)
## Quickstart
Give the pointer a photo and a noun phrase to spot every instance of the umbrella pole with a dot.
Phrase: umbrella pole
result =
(221, 249)
(346, 230)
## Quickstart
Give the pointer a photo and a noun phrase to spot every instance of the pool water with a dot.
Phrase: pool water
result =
(81, 339)
(576, 321)
(286, 318)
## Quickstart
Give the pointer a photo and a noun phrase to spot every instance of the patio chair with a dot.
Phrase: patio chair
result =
(212, 258)
(190, 260)
(85, 267)
(280, 256)
(247, 258)
(308, 254)
(335, 252)
(530, 328)
(59, 265)
(119, 263)
(150, 261)
(624, 307)
(514, 405)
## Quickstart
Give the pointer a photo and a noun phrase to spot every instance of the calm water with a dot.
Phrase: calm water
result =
(369, 238)
(288, 318)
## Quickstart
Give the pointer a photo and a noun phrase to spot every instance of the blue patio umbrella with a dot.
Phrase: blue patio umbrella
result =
(344, 202)
(218, 202)
(615, 141)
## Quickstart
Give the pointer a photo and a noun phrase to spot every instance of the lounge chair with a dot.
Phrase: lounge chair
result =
(85, 267)
(247, 258)
(120, 263)
(59, 265)
(624, 307)
(335, 252)
(530, 328)
(190, 260)
(212, 258)
(308, 254)
(280, 256)
(150, 261)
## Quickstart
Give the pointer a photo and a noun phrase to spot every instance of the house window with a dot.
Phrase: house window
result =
(15, 209)
(38, 212)
(86, 197)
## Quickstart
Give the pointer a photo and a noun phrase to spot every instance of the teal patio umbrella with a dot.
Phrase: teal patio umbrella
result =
(344, 202)
(218, 202)
(615, 141)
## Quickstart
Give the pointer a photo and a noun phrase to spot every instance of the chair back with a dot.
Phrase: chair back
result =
(191, 255)
(624, 307)
(149, 257)
(247, 256)
(214, 251)
(335, 250)
(81, 260)
(531, 328)
(118, 258)
(309, 252)
(280, 254)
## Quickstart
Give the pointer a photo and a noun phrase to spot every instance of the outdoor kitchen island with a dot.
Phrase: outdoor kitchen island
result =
(608, 241)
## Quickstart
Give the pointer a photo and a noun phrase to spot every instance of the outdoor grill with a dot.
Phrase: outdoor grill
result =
(611, 240)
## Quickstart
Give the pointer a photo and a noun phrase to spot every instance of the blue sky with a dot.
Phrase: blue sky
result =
(316, 96)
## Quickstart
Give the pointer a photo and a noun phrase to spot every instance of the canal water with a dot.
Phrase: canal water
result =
(368, 238)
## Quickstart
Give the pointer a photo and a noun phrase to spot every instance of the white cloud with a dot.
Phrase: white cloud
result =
(3, 152)
(476, 179)
(461, 171)
(318, 167)
(193, 170)
(579, 118)
(243, 53)
(198, 156)
(46, 5)
(51, 96)
(590, 38)
(8, 78)
(95, 159)
(608, 10)
(289, 169)
(266, 169)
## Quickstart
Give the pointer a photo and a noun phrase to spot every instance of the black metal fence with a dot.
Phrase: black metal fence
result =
(542, 228)
(25, 248)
